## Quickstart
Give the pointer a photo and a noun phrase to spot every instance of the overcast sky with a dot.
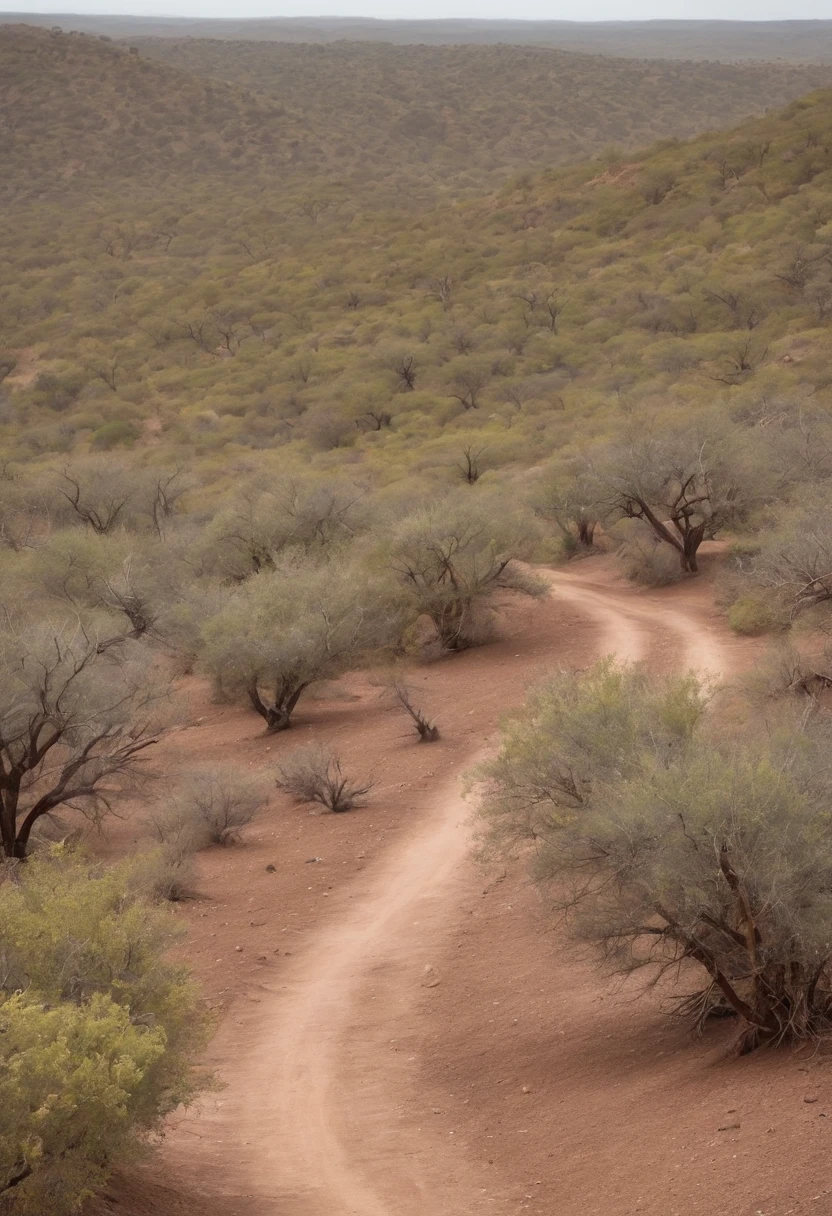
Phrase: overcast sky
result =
(533, 10)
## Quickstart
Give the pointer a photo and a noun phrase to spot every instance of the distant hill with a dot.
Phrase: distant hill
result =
(464, 116)
(531, 319)
(809, 41)
(409, 124)
(78, 110)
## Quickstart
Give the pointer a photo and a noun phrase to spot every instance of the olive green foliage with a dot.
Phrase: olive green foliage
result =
(98, 1031)
(566, 495)
(450, 558)
(350, 321)
(287, 628)
(469, 114)
(100, 113)
(682, 486)
(665, 840)
(751, 614)
(305, 514)
(789, 572)
(576, 732)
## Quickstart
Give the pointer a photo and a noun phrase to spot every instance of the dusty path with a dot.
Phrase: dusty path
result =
(312, 1116)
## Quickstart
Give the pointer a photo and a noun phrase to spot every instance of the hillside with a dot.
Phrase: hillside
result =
(465, 115)
(83, 110)
(405, 127)
(727, 41)
(692, 274)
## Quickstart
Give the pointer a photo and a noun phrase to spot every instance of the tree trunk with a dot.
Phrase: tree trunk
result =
(691, 540)
(8, 824)
(278, 714)
(449, 626)
(277, 719)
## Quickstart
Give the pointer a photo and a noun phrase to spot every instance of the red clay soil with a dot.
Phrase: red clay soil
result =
(405, 1034)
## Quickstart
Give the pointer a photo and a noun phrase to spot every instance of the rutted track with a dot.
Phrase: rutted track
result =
(311, 1117)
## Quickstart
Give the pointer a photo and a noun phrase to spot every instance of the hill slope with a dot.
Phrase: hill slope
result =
(80, 109)
(727, 41)
(465, 115)
(689, 275)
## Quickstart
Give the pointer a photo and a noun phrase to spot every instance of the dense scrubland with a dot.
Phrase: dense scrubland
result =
(271, 372)
(464, 116)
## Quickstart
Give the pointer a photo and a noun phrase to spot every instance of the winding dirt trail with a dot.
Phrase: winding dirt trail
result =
(313, 1117)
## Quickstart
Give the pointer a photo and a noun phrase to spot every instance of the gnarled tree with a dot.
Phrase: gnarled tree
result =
(302, 513)
(663, 842)
(452, 557)
(685, 483)
(287, 628)
(76, 716)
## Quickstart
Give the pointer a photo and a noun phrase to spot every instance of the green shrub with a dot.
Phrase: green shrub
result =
(670, 842)
(751, 614)
(114, 434)
(97, 1030)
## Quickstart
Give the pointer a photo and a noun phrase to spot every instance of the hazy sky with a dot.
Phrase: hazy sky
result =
(537, 10)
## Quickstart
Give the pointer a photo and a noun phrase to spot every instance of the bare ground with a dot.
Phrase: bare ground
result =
(406, 1034)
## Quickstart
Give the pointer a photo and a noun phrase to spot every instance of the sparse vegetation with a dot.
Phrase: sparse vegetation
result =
(314, 774)
(402, 696)
(290, 389)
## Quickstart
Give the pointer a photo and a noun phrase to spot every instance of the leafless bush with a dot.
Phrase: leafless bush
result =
(165, 874)
(314, 774)
(427, 731)
(209, 806)
(790, 671)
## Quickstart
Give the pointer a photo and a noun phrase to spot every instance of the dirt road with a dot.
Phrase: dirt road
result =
(312, 1121)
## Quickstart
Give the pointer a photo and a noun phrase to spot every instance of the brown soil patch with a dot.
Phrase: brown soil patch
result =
(26, 369)
(619, 175)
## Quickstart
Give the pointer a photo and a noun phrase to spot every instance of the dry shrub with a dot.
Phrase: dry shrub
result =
(314, 774)
(647, 560)
(208, 806)
(402, 696)
(670, 838)
(164, 875)
(790, 671)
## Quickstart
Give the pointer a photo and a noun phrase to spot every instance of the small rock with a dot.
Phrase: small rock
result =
(239, 949)
(270, 869)
(809, 1100)
(527, 1089)
(311, 860)
(728, 1127)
